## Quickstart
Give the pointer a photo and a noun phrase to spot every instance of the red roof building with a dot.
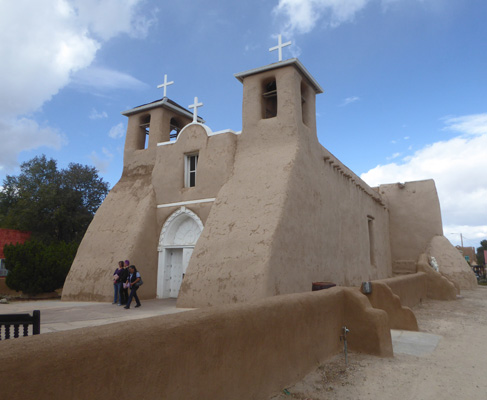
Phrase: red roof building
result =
(12, 236)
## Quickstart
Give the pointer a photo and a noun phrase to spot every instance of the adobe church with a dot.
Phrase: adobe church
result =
(223, 217)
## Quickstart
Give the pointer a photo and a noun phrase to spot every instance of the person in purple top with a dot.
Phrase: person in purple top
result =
(117, 283)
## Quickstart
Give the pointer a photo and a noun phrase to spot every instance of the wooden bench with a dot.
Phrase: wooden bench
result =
(17, 321)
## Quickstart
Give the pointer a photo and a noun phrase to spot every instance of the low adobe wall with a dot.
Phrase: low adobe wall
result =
(411, 288)
(249, 350)
(400, 317)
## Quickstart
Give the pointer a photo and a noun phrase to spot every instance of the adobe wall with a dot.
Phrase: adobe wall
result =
(383, 298)
(215, 165)
(415, 217)
(410, 289)
(227, 353)
(323, 234)
(286, 217)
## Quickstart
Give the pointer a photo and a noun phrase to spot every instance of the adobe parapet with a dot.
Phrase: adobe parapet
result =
(334, 163)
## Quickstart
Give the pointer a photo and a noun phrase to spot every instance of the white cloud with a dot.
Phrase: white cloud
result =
(117, 131)
(350, 100)
(302, 15)
(97, 115)
(25, 134)
(102, 163)
(475, 124)
(105, 78)
(395, 155)
(37, 62)
(42, 44)
(458, 168)
(109, 18)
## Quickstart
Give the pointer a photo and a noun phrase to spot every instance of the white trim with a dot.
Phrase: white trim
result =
(185, 203)
(163, 102)
(225, 131)
(207, 130)
(166, 143)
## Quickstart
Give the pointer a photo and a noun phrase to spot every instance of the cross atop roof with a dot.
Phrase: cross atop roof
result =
(195, 105)
(279, 46)
(165, 84)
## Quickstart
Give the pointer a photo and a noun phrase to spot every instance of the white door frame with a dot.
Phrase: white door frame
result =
(180, 231)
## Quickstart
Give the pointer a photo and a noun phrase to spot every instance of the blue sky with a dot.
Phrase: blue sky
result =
(405, 82)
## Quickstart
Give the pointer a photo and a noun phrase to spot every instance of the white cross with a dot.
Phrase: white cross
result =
(280, 46)
(165, 84)
(195, 105)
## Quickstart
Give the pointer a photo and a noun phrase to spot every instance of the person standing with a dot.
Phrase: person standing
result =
(117, 283)
(134, 280)
(124, 292)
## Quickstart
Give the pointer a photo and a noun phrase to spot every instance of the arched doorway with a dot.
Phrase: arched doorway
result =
(176, 243)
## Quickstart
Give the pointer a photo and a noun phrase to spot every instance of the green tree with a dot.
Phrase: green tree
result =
(55, 205)
(35, 267)
(480, 252)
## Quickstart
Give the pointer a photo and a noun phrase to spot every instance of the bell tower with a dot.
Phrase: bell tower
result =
(279, 93)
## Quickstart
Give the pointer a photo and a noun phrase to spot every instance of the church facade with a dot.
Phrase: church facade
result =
(223, 217)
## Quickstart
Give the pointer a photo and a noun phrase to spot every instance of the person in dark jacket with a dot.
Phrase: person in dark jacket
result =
(117, 284)
(134, 279)
(124, 292)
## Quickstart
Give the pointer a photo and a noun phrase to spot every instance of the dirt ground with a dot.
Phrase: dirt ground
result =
(456, 369)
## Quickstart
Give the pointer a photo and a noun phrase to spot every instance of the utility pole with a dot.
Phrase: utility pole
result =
(461, 237)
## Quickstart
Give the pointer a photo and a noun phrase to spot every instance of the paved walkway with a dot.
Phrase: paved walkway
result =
(57, 315)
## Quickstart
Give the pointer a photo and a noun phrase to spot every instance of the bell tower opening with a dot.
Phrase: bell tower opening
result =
(305, 103)
(145, 127)
(174, 128)
(269, 99)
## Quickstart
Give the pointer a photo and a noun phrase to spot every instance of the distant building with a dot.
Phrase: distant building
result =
(468, 252)
(10, 236)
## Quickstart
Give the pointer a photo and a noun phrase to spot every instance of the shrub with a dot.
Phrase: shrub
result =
(35, 267)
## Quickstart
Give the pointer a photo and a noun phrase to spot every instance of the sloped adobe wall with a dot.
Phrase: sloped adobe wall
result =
(123, 228)
(451, 263)
(247, 351)
(438, 286)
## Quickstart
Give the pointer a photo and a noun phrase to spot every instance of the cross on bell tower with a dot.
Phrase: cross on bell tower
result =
(195, 105)
(279, 46)
(165, 84)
